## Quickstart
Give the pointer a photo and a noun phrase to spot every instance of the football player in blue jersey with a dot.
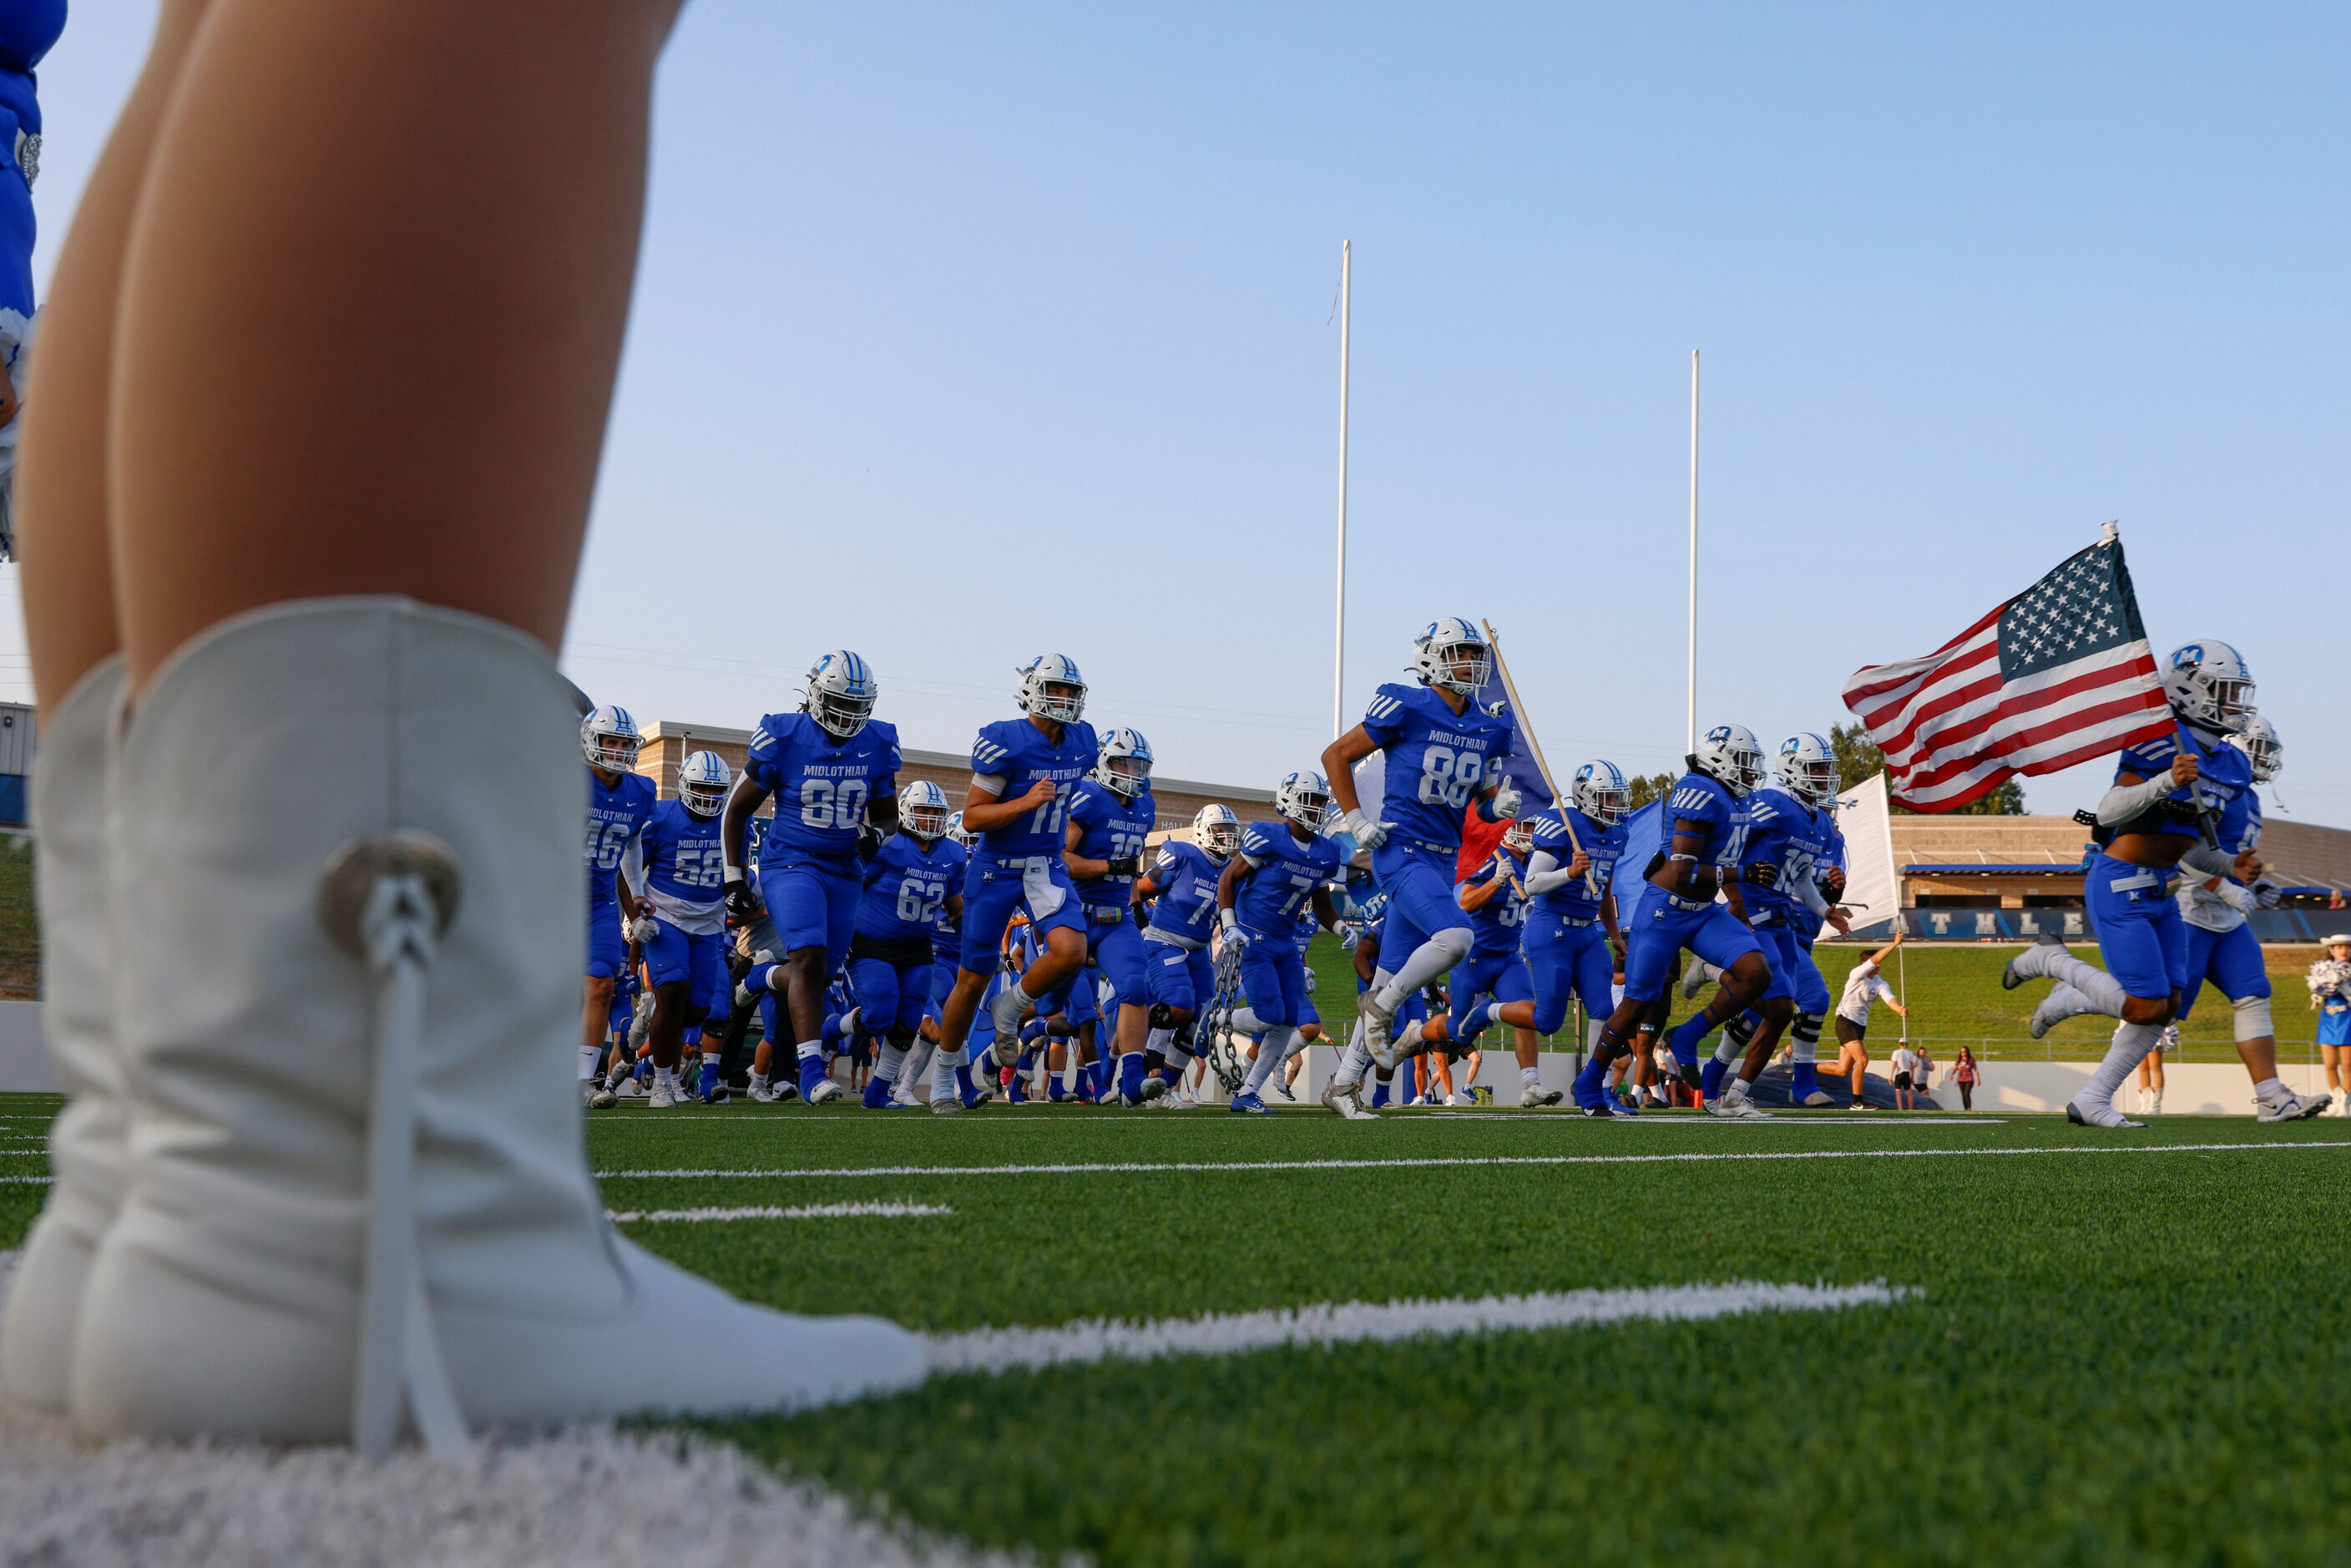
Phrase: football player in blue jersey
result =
(1438, 744)
(1787, 833)
(915, 880)
(2171, 800)
(1493, 987)
(2218, 943)
(1676, 910)
(1572, 942)
(620, 802)
(1279, 868)
(685, 952)
(1179, 892)
(1111, 817)
(832, 768)
(1023, 771)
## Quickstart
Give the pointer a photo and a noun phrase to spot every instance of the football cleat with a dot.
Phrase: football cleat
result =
(662, 1096)
(877, 1095)
(1535, 1096)
(816, 1083)
(1818, 1099)
(946, 1104)
(2287, 1107)
(714, 1093)
(1459, 1098)
(601, 1098)
(1344, 1102)
(1248, 1104)
(1736, 1106)
(2080, 1118)
(1154, 1087)
(1376, 1021)
(1281, 1087)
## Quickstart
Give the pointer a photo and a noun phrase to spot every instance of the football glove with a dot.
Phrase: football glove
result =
(1763, 874)
(1366, 832)
(1507, 801)
(737, 896)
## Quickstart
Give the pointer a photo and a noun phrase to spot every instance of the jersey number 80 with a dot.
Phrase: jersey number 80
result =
(825, 804)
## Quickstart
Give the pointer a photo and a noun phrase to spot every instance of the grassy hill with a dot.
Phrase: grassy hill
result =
(1953, 992)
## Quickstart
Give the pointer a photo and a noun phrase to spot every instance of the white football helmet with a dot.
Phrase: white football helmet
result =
(841, 692)
(2257, 738)
(923, 809)
(1452, 654)
(1727, 755)
(1598, 791)
(2209, 685)
(956, 832)
(1519, 837)
(703, 782)
(1123, 763)
(1051, 687)
(1807, 767)
(1303, 799)
(611, 739)
(1216, 829)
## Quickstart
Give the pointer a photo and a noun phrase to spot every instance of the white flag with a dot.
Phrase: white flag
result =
(1870, 886)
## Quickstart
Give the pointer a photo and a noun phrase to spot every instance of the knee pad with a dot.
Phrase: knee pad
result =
(1160, 1016)
(2254, 1019)
(902, 1038)
(1186, 1033)
(1740, 1029)
(1807, 1026)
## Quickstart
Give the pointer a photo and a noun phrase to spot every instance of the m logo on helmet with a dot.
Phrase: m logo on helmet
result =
(2188, 656)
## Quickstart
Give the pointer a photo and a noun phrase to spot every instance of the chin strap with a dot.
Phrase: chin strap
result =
(387, 900)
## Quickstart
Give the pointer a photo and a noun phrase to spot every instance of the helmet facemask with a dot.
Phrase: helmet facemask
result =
(926, 822)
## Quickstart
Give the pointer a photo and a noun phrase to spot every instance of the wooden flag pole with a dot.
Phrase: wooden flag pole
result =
(1519, 717)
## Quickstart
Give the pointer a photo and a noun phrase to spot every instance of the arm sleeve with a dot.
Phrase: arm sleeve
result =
(2124, 801)
(2206, 858)
(1808, 893)
(1545, 873)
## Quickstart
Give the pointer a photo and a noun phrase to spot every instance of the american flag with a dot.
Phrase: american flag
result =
(2057, 676)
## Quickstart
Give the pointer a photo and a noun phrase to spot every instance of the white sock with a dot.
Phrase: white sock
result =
(590, 1056)
(1428, 960)
(2132, 1043)
(809, 1047)
(1352, 1061)
(2270, 1089)
(1268, 1057)
(1728, 1050)
(887, 1062)
(1532, 1076)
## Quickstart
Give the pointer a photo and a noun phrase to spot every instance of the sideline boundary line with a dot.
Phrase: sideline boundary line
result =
(805, 1211)
(1328, 1324)
(1409, 1162)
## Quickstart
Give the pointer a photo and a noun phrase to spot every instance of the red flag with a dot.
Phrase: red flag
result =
(2057, 676)
(1478, 838)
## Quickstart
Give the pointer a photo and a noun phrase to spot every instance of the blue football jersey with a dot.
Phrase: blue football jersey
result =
(1187, 880)
(1806, 924)
(1707, 803)
(906, 887)
(616, 814)
(1286, 875)
(1436, 760)
(822, 785)
(1108, 828)
(685, 869)
(945, 928)
(1494, 924)
(1573, 900)
(1009, 757)
(2228, 774)
(1788, 835)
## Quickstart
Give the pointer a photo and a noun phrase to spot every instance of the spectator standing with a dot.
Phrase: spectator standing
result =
(1906, 1072)
(1863, 989)
(2330, 994)
(1965, 1073)
(1923, 1079)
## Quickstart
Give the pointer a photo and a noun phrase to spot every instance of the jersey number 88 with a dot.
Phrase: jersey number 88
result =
(1449, 777)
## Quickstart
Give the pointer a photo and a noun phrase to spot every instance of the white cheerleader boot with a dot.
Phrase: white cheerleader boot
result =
(72, 779)
(359, 1198)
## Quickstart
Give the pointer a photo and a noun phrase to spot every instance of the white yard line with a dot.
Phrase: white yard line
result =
(1356, 1323)
(29, 1181)
(1403, 1162)
(806, 1211)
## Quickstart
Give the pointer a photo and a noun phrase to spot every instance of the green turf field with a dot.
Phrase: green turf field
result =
(2100, 1355)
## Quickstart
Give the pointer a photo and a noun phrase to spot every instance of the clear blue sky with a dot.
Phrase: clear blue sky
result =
(967, 332)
